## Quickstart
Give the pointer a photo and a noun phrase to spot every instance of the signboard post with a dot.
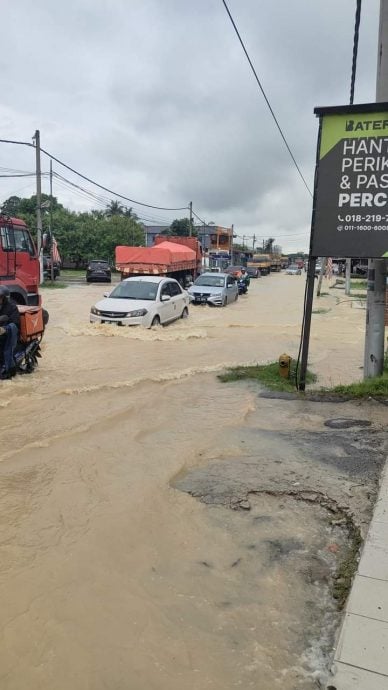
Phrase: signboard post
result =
(350, 204)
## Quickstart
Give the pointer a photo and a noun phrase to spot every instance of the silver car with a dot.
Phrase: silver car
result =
(217, 289)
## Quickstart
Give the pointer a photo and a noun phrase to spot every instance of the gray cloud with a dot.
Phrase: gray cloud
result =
(155, 99)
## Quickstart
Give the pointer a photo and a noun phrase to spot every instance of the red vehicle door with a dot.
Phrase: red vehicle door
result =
(26, 260)
(7, 252)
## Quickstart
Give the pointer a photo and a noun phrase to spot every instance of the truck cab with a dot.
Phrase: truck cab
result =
(19, 262)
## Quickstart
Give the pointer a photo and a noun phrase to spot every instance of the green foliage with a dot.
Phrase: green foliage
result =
(180, 227)
(81, 236)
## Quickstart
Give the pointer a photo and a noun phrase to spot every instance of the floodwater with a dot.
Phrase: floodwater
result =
(109, 577)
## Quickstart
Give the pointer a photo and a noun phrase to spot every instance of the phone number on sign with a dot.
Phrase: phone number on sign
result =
(362, 228)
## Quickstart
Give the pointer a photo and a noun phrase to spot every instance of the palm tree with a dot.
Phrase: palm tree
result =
(114, 209)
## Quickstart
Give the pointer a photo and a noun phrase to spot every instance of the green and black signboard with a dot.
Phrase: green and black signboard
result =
(350, 217)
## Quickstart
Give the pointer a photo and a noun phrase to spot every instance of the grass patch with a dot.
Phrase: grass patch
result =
(376, 387)
(49, 285)
(320, 311)
(266, 374)
(358, 284)
(359, 295)
(73, 272)
(323, 294)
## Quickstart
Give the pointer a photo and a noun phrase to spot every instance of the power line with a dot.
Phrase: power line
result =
(266, 98)
(88, 179)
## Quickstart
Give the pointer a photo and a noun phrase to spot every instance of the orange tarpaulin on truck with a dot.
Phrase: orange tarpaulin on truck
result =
(163, 253)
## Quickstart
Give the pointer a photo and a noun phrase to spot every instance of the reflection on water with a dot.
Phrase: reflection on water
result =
(109, 578)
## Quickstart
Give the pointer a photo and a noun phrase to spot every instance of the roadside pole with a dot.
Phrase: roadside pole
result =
(307, 322)
(377, 268)
(38, 203)
(321, 274)
(191, 217)
(348, 271)
(231, 247)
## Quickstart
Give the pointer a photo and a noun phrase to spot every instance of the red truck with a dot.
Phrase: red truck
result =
(177, 257)
(19, 262)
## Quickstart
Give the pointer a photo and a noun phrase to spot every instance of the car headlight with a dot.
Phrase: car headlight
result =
(137, 312)
(95, 311)
(217, 294)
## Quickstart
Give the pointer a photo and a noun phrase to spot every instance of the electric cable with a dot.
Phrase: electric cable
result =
(266, 98)
(88, 179)
(355, 50)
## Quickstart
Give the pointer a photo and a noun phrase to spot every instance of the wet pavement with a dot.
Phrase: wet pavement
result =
(112, 573)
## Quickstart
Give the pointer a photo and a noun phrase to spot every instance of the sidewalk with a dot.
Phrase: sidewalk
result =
(361, 658)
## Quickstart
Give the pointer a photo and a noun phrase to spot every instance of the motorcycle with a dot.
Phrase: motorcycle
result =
(242, 286)
(27, 351)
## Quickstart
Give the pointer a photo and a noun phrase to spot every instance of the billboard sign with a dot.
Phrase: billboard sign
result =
(350, 217)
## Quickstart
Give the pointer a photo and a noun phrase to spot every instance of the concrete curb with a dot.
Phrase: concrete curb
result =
(361, 657)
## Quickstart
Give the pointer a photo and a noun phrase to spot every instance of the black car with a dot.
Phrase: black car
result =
(98, 271)
(253, 272)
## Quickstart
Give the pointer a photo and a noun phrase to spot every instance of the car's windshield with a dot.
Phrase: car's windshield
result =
(211, 281)
(135, 289)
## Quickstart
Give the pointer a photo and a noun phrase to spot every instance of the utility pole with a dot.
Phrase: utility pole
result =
(191, 218)
(243, 239)
(51, 223)
(253, 242)
(36, 137)
(377, 268)
(348, 270)
(231, 247)
(321, 274)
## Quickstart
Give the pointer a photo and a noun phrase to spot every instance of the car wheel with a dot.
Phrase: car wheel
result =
(156, 322)
(185, 313)
(224, 301)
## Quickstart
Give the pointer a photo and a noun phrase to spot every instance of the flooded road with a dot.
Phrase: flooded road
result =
(111, 576)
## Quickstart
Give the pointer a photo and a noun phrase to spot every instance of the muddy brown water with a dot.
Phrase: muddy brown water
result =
(109, 576)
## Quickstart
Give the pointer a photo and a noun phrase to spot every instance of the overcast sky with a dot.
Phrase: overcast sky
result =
(155, 99)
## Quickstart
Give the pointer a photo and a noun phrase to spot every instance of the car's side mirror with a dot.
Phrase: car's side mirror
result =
(165, 298)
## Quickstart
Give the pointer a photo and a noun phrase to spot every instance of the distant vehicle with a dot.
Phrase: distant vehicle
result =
(176, 257)
(98, 271)
(217, 289)
(142, 301)
(47, 268)
(262, 262)
(253, 271)
(318, 267)
(293, 270)
(234, 270)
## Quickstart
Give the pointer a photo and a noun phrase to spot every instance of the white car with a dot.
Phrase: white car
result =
(142, 301)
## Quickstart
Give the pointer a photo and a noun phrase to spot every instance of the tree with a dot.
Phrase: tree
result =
(268, 245)
(80, 236)
(114, 208)
(181, 227)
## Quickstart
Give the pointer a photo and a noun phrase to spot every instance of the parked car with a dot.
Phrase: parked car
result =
(47, 268)
(217, 289)
(98, 271)
(293, 270)
(253, 272)
(234, 271)
(142, 301)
